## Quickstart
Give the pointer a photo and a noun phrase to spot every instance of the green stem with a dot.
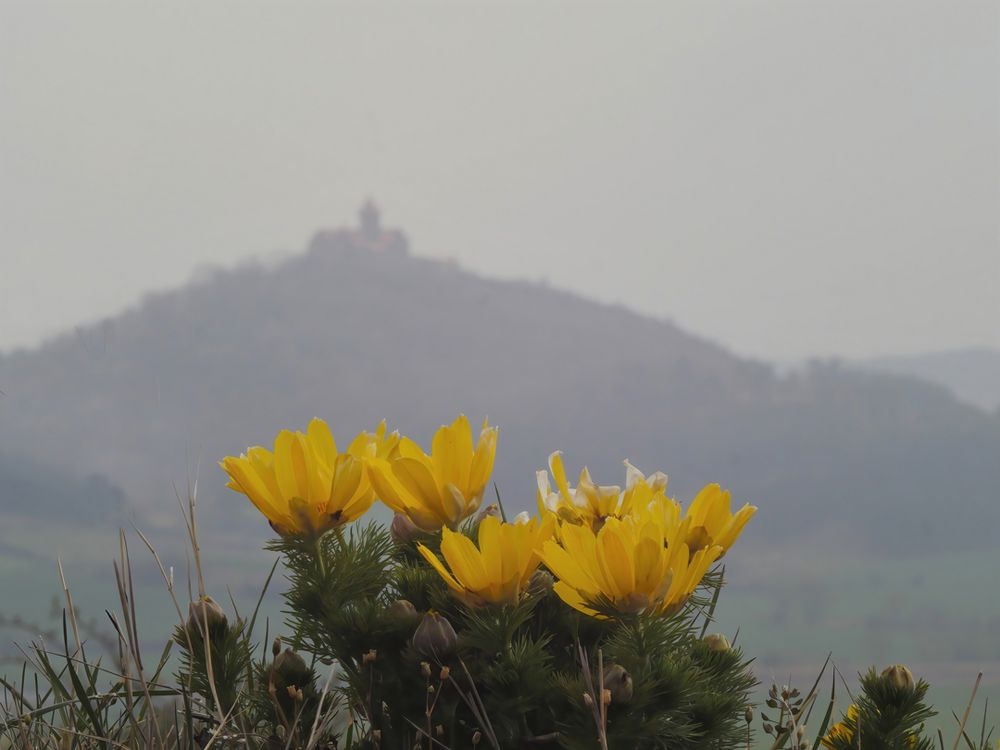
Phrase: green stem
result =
(320, 561)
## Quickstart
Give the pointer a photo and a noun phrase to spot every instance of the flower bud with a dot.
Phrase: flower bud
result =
(435, 636)
(716, 642)
(206, 612)
(477, 737)
(289, 680)
(402, 613)
(291, 668)
(619, 683)
(748, 714)
(541, 582)
(403, 530)
(898, 676)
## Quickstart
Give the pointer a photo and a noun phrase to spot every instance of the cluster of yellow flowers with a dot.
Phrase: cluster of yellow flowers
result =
(634, 550)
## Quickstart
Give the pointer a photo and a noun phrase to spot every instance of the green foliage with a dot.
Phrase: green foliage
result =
(887, 715)
(337, 585)
(287, 698)
(531, 674)
(216, 667)
(682, 693)
(516, 675)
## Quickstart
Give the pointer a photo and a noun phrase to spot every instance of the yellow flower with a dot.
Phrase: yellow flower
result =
(590, 503)
(712, 523)
(440, 489)
(635, 565)
(305, 486)
(498, 571)
(837, 734)
(842, 732)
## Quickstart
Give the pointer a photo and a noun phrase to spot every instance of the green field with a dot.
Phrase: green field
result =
(937, 614)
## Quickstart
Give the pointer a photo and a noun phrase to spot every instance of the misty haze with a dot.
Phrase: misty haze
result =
(752, 244)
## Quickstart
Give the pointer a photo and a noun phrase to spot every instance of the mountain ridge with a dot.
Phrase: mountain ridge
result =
(353, 335)
(972, 374)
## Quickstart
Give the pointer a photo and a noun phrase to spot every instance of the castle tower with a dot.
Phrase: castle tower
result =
(371, 225)
(369, 236)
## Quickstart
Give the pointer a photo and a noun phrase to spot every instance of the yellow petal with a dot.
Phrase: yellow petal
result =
(289, 466)
(359, 445)
(572, 597)
(464, 560)
(568, 569)
(455, 505)
(482, 460)
(648, 565)
(416, 477)
(703, 504)
(439, 567)
(358, 505)
(615, 561)
(347, 475)
(247, 481)
(262, 462)
(451, 453)
(387, 489)
(409, 449)
(491, 548)
(559, 475)
(581, 544)
(735, 526)
(322, 440)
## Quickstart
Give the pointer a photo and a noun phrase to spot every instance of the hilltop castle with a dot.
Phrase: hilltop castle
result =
(368, 235)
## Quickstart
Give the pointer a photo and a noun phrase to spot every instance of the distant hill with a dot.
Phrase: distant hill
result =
(973, 375)
(30, 489)
(357, 329)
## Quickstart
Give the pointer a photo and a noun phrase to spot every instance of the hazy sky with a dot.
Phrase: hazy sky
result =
(789, 178)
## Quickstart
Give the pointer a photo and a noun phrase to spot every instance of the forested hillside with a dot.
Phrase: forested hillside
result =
(154, 397)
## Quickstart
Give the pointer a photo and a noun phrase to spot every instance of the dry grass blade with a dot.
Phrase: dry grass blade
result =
(829, 713)
(968, 708)
(423, 733)
(69, 606)
(126, 595)
(476, 706)
(595, 699)
(319, 719)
